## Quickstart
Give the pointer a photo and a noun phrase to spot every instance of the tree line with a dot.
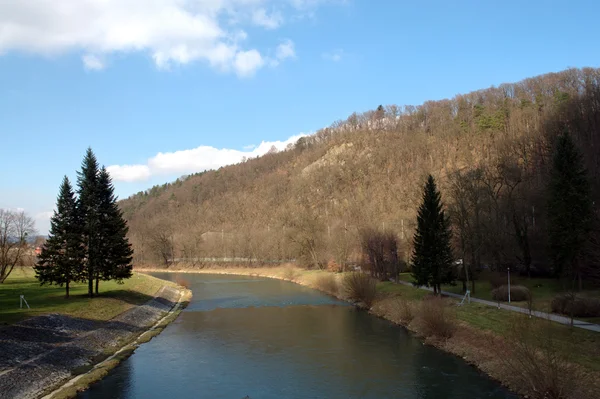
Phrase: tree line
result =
(490, 152)
(570, 216)
(88, 234)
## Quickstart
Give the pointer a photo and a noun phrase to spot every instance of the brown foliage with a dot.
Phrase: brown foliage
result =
(436, 317)
(539, 363)
(327, 283)
(360, 287)
(577, 307)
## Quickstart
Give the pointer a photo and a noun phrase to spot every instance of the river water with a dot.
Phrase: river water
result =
(271, 339)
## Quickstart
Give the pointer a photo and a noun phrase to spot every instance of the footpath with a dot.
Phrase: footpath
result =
(42, 352)
(535, 313)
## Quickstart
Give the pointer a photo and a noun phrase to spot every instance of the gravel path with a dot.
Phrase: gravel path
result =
(549, 316)
(40, 352)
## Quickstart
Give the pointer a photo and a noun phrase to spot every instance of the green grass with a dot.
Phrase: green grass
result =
(113, 299)
(542, 289)
(582, 346)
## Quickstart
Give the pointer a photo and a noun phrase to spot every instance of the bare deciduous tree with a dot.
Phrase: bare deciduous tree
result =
(15, 228)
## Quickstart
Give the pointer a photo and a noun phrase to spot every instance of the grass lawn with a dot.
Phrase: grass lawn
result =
(113, 298)
(542, 289)
(582, 345)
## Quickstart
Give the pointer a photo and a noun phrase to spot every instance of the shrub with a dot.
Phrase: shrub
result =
(360, 287)
(290, 273)
(436, 317)
(517, 293)
(333, 266)
(326, 282)
(578, 307)
(539, 362)
(404, 310)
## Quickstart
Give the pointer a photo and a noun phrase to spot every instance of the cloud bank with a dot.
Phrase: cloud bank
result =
(193, 160)
(172, 32)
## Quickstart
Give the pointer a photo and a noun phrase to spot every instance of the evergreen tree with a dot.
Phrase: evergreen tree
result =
(61, 260)
(432, 255)
(114, 250)
(570, 209)
(87, 180)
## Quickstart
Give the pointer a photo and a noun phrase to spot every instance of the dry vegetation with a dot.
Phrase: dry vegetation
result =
(360, 288)
(488, 149)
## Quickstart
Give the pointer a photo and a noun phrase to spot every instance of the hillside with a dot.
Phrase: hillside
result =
(488, 149)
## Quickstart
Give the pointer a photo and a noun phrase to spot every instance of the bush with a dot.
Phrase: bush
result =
(360, 287)
(539, 363)
(517, 293)
(327, 282)
(580, 307)
(436, 317)
(404, 310)
(290, 273)
(333, 267)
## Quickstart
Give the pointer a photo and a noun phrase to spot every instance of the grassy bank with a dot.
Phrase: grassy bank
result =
(113, 298)
(481, 335)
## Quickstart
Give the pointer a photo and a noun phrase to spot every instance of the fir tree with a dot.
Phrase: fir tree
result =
(570, 209)
(87, 180)
(114, 251)
(432, 255)
(61, 260)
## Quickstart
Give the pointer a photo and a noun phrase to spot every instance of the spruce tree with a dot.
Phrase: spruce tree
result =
(570, 209)
(114, 250)
(61, 260)
(87, 180)
(432, 254)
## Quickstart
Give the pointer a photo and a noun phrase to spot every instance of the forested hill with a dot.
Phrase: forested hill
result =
(489, 151)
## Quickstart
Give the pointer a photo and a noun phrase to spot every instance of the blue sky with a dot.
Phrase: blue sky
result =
(202, 81)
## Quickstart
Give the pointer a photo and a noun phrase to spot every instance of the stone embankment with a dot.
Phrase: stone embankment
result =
(43, 352)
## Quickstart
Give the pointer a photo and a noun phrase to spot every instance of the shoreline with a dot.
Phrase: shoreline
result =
(83, 353)
(98, 371)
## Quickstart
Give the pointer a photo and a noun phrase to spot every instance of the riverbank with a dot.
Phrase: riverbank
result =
(41, 353)
(481, 336)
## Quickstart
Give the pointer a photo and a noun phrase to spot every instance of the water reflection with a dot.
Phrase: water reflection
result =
(272, 339)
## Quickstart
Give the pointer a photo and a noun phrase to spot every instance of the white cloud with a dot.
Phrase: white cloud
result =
(285, 50)
(260, 17)
(335, 55)
(192, 161)
(248, 62)
(172, 32)
(92, 63)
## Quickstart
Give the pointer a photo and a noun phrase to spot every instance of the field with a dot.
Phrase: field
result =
(113, 298)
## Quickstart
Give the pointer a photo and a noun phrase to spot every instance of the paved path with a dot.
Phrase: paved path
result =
(543, 315)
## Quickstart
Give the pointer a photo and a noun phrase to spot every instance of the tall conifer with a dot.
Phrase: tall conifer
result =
(61, 260)
(432, 254)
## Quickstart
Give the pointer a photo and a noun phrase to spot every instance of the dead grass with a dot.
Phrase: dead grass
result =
(361, 288)
(327, 283)
(437, 317)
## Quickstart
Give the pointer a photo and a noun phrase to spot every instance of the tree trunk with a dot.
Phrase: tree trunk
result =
(97, 283)
(67, 289)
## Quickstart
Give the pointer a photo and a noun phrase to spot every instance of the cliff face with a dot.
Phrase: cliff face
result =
(489, 151)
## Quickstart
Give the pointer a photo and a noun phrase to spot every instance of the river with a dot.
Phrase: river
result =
(271, 339)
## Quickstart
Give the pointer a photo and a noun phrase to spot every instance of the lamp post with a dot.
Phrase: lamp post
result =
(508, 284)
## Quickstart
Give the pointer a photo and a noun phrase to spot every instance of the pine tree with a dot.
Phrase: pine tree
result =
(570, 209)
(61, 260)
(87, 180)
(432, 255)
(114, 251)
